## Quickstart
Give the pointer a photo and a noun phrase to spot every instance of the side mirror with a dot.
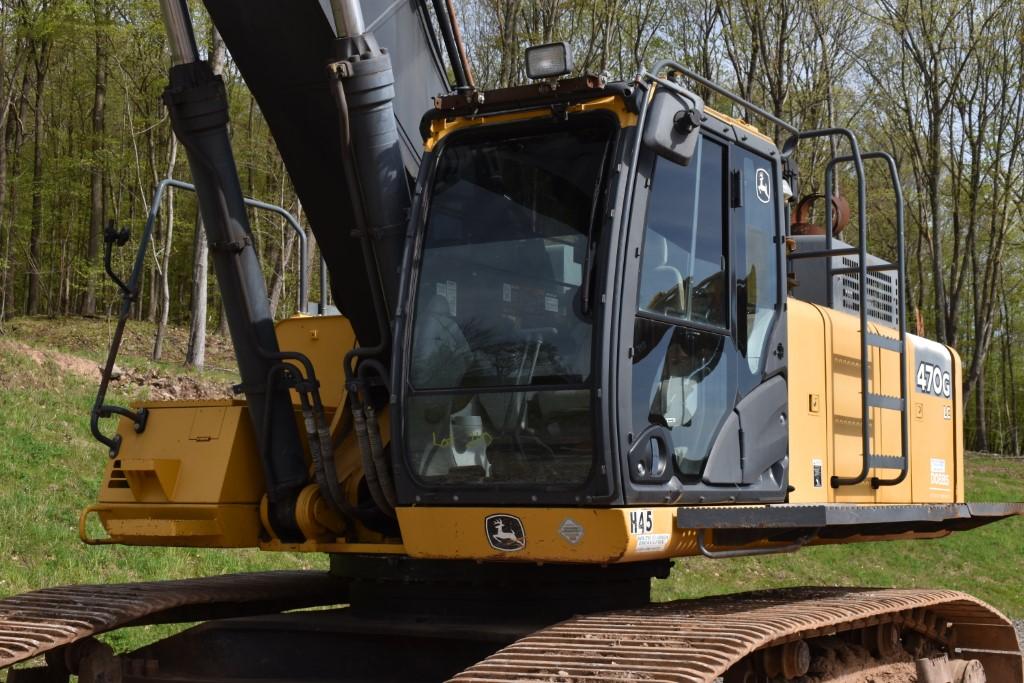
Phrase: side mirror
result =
(673, 125)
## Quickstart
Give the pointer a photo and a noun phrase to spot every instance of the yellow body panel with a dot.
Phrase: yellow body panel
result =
(599, 535)
(193, 476)
(958, 424)
(324, 340)
(810, 406)
(827, 344)
(442, 127)
(589, 535)
(739, 123)
(191, 452)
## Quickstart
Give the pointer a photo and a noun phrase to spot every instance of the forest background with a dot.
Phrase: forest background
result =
(84, 138)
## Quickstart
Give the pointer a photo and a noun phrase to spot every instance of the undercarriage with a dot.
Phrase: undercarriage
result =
(393, 619)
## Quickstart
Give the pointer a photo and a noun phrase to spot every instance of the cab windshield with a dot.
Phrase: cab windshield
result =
(500, 368)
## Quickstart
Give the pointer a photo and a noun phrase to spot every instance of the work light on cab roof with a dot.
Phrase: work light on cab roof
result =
(548, 61)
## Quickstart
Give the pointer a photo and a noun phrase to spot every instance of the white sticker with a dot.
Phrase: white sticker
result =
(506, 293)
(641, 522)
(939, 475)
(452, 296)
(763, 186)
(571, 531)
(651, 543)
(551, 303)
(816, 468)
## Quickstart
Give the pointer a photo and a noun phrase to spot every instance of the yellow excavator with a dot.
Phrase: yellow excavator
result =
(583, 329)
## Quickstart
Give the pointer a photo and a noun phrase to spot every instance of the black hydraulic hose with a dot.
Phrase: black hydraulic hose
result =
(369, 467)
(387, 485)
(321, 451)
(451, 45)
(374, 440)
(318, 433)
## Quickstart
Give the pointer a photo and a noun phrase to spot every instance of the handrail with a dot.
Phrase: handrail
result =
(862, 280)
(862, 269)
(130, 293)
(693, 76)
(901, 304)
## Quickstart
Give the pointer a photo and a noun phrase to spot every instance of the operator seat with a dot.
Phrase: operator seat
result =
(663, 285)
(441, 353)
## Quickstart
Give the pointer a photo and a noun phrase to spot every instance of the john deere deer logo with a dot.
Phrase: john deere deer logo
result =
(762, 185)
(505, 532)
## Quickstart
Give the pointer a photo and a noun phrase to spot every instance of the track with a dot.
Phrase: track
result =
(35, 623)
(696, 641)
(687, 641)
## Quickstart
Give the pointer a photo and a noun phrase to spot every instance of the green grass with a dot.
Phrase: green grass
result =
(50, 468)
(987, 562)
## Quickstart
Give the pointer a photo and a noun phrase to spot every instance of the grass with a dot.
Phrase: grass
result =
(50, 468)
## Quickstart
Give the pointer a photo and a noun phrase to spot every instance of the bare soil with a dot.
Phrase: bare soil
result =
(901, 672)
(151, 383)
(163, 387)
(842, 662)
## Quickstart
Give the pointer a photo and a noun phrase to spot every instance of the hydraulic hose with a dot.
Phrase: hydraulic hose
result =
(369, 466)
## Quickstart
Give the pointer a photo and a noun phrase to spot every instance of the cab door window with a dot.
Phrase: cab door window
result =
(683, 273)
(756, 258)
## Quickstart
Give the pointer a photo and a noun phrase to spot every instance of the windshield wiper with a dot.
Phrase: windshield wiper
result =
(588, 257)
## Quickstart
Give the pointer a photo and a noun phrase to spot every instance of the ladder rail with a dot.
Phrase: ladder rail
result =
(868, 400)
(901, 316)
(862, 276)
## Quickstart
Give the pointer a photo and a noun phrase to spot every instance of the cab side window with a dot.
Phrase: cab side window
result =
(683, 273)
(756, 258)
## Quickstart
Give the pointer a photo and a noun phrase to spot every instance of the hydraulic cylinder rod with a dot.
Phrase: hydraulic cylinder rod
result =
(198, 108)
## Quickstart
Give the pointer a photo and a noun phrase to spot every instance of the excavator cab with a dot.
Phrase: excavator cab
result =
(594, 292)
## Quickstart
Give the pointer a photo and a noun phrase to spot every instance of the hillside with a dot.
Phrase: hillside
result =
(50, 469)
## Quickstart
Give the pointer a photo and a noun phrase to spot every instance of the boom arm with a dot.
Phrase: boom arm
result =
(281, 49)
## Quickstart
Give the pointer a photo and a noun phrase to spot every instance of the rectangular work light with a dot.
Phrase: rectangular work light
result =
(548, 61)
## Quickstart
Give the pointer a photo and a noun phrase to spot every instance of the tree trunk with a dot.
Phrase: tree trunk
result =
(32, 298)
(97, 208)
(196, 353)
(17, 131)
(280, 270)
(165, 268)
(980, 416)
(218, 56)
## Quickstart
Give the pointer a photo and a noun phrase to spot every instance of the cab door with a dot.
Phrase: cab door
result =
(703, 319)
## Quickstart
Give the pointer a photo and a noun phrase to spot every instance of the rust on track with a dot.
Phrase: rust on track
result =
(34, 623)
(696, 641)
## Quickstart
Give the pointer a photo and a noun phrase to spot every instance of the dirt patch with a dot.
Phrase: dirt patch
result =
(902, 672)
(172, 388)
(66, 362)
(149, 383)
(837, 661)
(74, 333)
